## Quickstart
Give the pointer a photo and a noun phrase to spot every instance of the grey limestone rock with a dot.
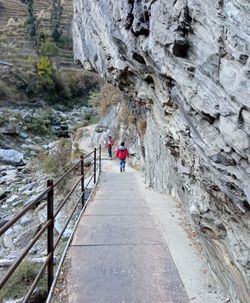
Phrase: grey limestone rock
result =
(25, 220)
(23, 135)
(11, 156)
(188, 63)
(24, 237)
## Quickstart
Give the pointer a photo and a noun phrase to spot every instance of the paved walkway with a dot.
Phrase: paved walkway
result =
(118, 254)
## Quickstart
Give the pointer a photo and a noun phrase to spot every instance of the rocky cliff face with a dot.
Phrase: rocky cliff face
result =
(188, 62)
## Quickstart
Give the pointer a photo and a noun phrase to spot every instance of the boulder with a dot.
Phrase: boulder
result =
(59, 225)
(22, 240)
(12, 199)
(35, 147)
(11, 156)
(23, 135)
(100, 129)
(27, 117)
(9, 131)
(17, 203)
(26, 188)
(7, 239)
(25, 220)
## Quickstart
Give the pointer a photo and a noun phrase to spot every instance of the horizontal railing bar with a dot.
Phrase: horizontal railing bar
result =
(19, 215)
(67, 172)
(23, 254)
(67, 197)
(37, 279)
(70, 217)
(88, 155)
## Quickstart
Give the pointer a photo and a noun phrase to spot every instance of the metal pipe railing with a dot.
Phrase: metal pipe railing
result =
(51, 215)
(66, 174)
(18, 216)
(67, 223)
(50, 231)
(94, 165)
(67, 197)
(23, 254)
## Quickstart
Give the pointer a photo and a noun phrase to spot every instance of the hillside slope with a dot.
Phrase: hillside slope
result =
(18, 51)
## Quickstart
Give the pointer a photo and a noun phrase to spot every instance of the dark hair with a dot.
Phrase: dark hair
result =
(122, 144)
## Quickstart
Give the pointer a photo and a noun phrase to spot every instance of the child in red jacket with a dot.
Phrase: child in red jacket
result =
(109, 146)
(122, 154)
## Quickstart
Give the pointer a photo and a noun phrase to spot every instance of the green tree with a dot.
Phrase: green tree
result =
(53, 85)
(31, 20)
(55, 20)
(45, 69)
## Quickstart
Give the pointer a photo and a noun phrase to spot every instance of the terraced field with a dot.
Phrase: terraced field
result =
(16, 48)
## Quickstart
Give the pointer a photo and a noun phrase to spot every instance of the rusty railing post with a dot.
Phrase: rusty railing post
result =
(94, 165)
(100, 159)
(82, 181)
(50, 236)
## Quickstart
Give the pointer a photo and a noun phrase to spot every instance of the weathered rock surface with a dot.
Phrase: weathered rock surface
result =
(188, 62)
(11, 156)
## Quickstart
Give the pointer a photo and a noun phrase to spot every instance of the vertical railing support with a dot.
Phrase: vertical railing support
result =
(94, 165)
(50, 236)
(100, 159)
(82, 181)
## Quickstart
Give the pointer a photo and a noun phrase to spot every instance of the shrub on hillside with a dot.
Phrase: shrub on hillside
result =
(37, 127)
(41, 122)
(20, 282)
(65, 41)
(82, 83)
(52, 86)
(5, 90)
(87, 119)
(58, 161)
(45, 68)
(47, 115)
(108, 96)
(49, 49)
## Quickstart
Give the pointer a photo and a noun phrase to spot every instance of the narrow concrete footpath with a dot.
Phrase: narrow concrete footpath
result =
(118, 253)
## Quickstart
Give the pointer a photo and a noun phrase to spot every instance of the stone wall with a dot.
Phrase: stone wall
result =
(187, 62)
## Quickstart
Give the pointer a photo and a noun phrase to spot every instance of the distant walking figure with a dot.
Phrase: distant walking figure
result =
(122, 154)
(109, 145)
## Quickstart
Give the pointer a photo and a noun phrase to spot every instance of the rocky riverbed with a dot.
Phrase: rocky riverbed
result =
(25, 135)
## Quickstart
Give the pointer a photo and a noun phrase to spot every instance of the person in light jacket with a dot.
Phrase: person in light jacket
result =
(122, 154)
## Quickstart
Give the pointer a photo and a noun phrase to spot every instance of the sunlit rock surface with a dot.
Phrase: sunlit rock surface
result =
(188, 62)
